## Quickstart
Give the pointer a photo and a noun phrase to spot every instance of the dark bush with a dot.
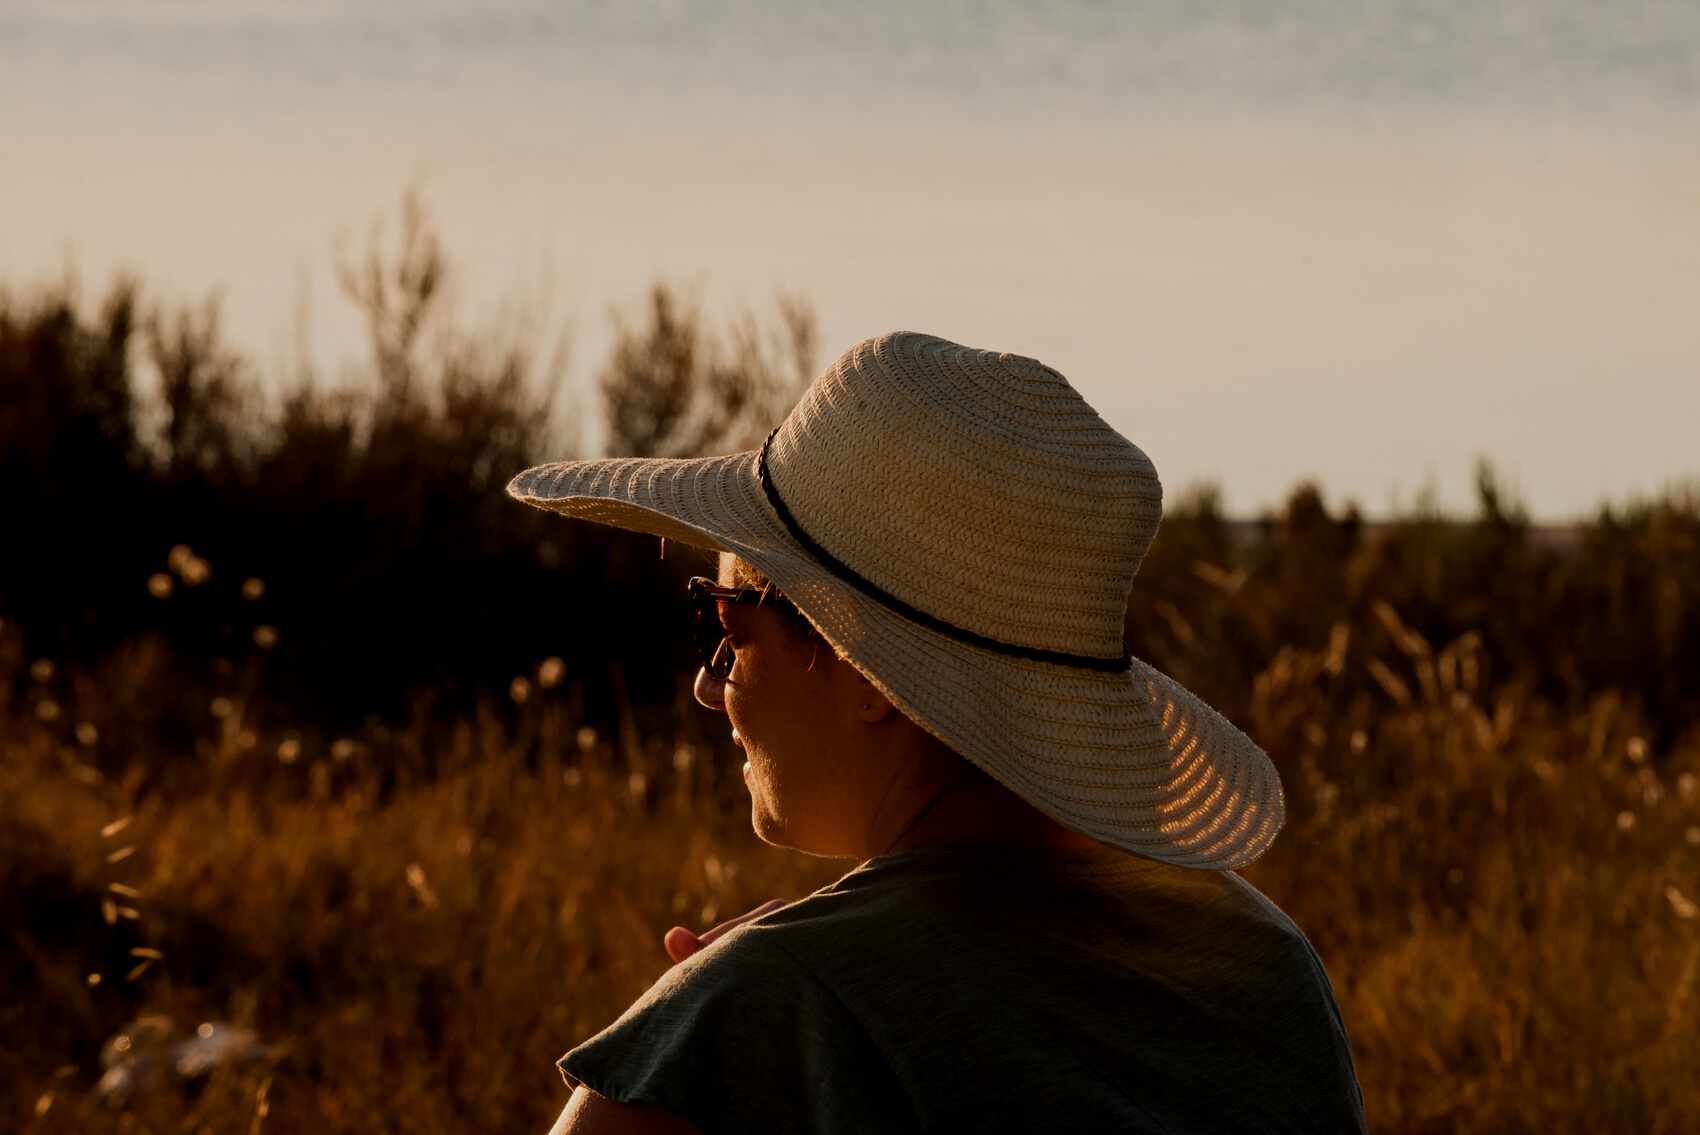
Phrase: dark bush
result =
(354, 546)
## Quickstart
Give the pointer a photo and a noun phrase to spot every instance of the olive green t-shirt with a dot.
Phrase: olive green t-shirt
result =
(969, 990)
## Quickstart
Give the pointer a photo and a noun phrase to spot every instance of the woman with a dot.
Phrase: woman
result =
(922, 582)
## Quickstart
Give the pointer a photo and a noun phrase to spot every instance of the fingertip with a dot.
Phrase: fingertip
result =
(680, 943)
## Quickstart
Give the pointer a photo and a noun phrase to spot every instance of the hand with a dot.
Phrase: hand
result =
(681, 943)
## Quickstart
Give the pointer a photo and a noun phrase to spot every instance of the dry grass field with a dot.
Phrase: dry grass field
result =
(1504, 893)
(411, 961)
(357, 814)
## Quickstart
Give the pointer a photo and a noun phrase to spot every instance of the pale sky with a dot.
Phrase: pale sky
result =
(1365, 245)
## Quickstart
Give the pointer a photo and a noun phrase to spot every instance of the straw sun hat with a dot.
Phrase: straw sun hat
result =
(964, 529)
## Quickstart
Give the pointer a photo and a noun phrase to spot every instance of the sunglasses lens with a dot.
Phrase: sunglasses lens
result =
(710, 635)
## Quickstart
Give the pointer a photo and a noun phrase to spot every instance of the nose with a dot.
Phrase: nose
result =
(710, 691)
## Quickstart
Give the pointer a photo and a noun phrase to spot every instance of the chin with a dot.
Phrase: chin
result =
(773, 831)
(763, 819)
(767, 825)
(769, 834)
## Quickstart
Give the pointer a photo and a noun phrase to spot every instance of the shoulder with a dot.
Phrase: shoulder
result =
(732, 993)
(990, 981)
(741, 1036)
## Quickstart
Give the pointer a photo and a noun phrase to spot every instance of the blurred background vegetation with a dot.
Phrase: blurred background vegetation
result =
(310, 738)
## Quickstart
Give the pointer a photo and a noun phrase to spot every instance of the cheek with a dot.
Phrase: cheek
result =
(779, 702)
(777, 763)
(765, 771)
(753, 733)
(761, 706)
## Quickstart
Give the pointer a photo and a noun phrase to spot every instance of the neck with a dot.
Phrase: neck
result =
(976, 811)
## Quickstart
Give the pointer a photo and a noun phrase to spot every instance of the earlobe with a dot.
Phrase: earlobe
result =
(875, 708)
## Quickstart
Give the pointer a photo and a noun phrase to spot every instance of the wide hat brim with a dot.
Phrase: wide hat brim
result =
(1132, 758)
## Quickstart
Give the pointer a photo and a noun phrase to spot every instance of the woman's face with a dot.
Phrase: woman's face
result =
(833, 769)
(794, 708)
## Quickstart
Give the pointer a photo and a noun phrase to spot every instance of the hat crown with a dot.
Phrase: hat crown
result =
(977, 487)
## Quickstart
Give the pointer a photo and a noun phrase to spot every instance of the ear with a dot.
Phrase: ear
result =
(875, 706)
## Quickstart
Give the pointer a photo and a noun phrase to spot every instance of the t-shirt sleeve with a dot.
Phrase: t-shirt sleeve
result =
(742, 1038)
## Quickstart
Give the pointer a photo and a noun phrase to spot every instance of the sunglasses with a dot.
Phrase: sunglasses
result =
(710, 633)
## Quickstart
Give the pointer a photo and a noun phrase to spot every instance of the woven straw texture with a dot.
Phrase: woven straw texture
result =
(981, 489)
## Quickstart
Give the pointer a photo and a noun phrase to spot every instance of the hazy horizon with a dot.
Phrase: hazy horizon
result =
(1363, 244)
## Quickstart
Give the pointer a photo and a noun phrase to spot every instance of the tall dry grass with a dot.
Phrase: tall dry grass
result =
(414, 958)
(1505, 897)
(1504, 894)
